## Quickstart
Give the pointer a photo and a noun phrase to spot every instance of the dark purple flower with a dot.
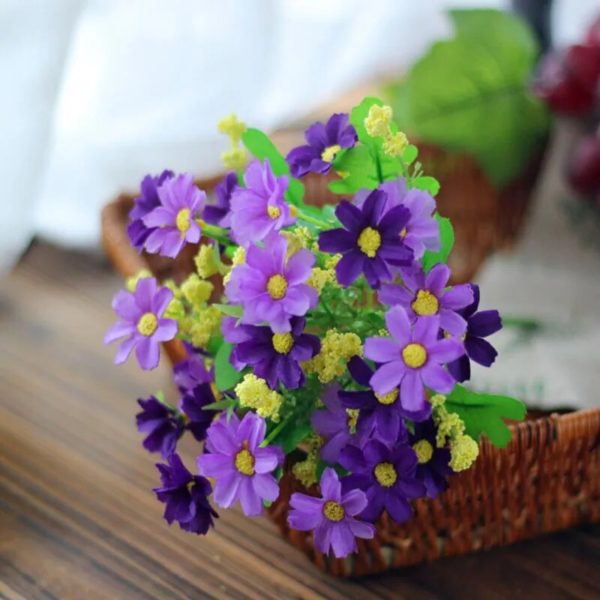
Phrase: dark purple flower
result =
(324, 142)
(370, 240)
(141, 323)
(162, 425)
(479, 325)
(259, 208)
(378, 413)
(335, 424)
(185, 496)
(174, 221)
(189, 373)
(192, 405)
(241, 467)
(425, 295)
(386, 475)
(332, 517)
(219, 213)
(145, 203)
(433, 468)
(276, 357)
(271, 287)
(412, 358)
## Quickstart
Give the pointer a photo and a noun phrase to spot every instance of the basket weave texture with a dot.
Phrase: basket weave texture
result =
(548, 478)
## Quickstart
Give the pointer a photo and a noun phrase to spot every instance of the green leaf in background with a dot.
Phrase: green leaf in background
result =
(471, 94)
(427, 184)
(485, 413)
(410, 154)
(229, 309)
(359, 169)
(225, 375)
(292, 434)
(430, 259)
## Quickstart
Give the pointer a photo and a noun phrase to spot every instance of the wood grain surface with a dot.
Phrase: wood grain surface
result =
(78, 519)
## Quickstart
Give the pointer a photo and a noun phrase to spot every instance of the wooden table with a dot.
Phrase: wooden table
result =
(77, 515)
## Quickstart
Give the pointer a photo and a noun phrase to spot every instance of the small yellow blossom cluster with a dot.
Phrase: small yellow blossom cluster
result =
(464, 450)
(205, 324)
(176, 308)
(235, 158)
(238, 258)
(196, 291)
(298, 238)
(253, 392)
(321, 277)
(305, 471)
(377, 124)
(336, 350)
(206, 261)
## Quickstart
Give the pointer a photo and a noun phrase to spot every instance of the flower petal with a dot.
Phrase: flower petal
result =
(398, 324)
(382, 349)
(412, 392)
(387, 377)
(438, 379)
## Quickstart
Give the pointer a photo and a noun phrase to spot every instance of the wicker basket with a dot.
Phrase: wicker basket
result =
(548, 478)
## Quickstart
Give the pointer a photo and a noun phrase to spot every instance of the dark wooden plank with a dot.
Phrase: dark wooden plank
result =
(77, 515)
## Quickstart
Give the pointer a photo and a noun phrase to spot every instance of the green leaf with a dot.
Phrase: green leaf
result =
(221, 404)
(214, 344)
(430, 259)
(225, 374)
(292, 434)
(484, 414)
(359, 168)
(471, 94)
(359, 114)
(409, 154)
(230, 310)
(427, 184)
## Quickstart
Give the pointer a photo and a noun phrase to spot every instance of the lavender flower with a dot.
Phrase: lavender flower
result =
(272, 288)
(424, 295)
(242, 469)
(276, 357)
(479, 325)
(332, 517)
(260, 208)
(175, 220)
(141, 323)
(219, 213)
(386, 475)
(185, 496)
(162, 425)
(412, 358)
(191, 372)
(145, 203)
(324, 142)
(370, 240)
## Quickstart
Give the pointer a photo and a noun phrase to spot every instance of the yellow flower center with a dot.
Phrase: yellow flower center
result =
(369, 241)
(329, 153)
(425, 304)
(424, 451)
(277, 286)
(414, 355)
(388, 398)
(352, 418)
(333, 511)
(273, 212)
(386, 475)
(183, 220)
(283, 342)
(244, 462)
(403, 233)
(147, 324)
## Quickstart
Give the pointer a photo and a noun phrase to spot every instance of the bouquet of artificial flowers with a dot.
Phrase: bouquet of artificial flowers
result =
(325, 343)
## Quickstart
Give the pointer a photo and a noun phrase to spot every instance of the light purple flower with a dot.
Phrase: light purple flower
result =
(260, 208)
(332, 517)
(242, 469)
(272, 288)
(412, 358)
(426, 295)
(141, 323)
(175, 219)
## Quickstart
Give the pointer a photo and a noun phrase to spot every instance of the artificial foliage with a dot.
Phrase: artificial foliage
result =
(331, 335)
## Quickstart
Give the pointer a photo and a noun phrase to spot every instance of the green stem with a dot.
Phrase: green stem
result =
(275, 432)
(216, 233)
(312, 220)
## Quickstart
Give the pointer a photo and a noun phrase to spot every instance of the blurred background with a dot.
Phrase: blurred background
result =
(96, 93)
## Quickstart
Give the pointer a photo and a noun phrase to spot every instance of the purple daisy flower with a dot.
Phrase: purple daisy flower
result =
(175, 219)
(324, 142)
(191, 372)
(335, 424)
(145, 203)
(219, 213)
(332, 517)
(480, 324)
(141, 323)
(425, 295)
(276, 357)
(433, 468)
(242, 469)
(185, 496)
(380, 413)
(412, 358)
(162, 425)
(370, 240)
(386, 475)
(272, 288)
(422, 231)
(260, 208)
